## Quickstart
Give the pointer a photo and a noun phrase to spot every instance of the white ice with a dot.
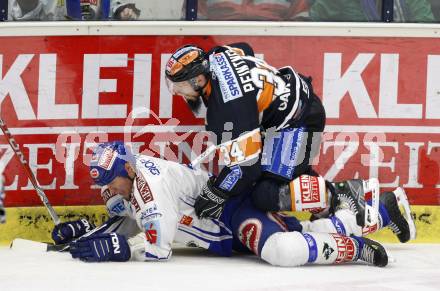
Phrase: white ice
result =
(416, 267)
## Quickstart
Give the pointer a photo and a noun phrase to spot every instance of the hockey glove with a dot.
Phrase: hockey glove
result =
(67, 231)
(211, 201)
(101, 248)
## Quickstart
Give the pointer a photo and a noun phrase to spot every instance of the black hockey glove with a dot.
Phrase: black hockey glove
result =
(67, 231)
(211, 201)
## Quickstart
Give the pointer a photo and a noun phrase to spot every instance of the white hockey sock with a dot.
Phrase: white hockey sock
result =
(343, 222)
(290, 249)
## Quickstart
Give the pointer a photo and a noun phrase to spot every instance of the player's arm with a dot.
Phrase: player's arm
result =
(242, 48)
(239, 140)
(158, 220)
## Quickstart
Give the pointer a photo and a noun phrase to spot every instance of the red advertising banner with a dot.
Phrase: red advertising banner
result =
(59, 95)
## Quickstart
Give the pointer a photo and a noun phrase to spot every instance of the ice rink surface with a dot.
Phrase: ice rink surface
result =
(416, 267)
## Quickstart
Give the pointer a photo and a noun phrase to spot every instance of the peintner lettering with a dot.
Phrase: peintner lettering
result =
(242, 70)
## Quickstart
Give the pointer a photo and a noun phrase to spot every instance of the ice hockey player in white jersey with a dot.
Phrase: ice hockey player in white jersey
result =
(158, 197)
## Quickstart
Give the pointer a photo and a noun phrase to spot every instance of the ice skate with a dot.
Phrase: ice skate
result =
(372, 252)
(404, 228)
(350, 194)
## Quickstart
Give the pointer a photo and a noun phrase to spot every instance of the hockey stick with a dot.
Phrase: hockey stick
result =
(28, 171)
(224, 145)
(202, 156)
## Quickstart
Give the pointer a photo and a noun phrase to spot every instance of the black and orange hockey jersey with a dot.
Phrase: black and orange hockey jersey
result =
(246, 96)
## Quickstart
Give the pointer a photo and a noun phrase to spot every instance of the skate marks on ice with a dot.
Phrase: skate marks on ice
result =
(417, 267)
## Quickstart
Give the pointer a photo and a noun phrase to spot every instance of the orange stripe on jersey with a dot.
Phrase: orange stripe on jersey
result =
(244, 148)
(266, 95)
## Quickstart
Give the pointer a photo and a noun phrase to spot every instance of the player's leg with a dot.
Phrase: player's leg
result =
(287, 155)
(266, 235)
(296, 249)
(344, 220)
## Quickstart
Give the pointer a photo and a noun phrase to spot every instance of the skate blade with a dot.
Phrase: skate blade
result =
(402, 199)
(372, 211)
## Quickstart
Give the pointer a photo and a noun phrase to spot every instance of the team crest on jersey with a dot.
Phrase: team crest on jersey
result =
(249, 233)
(229, 84)
(94, 173)
(144, 189)
(107, 159)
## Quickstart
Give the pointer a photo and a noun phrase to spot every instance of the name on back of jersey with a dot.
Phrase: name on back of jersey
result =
(223, 68)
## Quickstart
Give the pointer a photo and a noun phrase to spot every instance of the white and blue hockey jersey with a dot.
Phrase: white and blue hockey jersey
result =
(161, 203)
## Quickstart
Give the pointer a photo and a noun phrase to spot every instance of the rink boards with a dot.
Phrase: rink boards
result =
(34, 223)
(67, 85)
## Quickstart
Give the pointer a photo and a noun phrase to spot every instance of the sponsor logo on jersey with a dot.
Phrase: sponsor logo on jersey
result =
(346, 248)
(186, 220)
(134, 203)
(229, 85)
(309, 187)
(249, 233)
(94, 173)
(232, 178)
(144, 190)
(117, 207)
(147, 218)
(107, 159)
(151, 167)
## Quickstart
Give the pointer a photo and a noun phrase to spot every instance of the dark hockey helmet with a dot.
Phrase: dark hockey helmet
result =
(187, 62)
(108, 162)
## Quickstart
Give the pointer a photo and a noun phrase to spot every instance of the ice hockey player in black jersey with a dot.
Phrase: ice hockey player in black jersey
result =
(267, 123)
(247, 101)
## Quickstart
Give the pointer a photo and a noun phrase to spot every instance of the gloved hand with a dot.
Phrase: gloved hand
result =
(67, 231)
(101, 248)
(211, 201)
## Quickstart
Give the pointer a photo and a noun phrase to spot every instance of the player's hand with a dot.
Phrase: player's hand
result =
(101, 248)
(67, 231)
(211, 201)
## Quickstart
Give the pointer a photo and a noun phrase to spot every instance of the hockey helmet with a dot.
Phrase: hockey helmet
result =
(187, 62)
(108, 162)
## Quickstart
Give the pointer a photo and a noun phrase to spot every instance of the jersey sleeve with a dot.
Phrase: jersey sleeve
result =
(156, 216)
(242, 48)
(233, 116)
